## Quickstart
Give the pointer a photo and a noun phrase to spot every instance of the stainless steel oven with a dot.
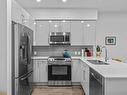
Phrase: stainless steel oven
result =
(59, 72)
(59, 38)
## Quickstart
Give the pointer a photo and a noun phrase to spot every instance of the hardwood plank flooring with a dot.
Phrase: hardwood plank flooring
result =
(45, 90)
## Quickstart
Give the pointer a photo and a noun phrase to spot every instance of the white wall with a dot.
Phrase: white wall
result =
(113, 24)
(3, 46)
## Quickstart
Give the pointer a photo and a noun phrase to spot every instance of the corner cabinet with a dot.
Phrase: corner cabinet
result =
(40, 72)
(85, 77)
(42, 33)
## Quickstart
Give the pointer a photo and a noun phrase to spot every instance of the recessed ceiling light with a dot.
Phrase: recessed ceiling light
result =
(82, 21)
(88, 25)
(64, 1)
(50, 21)
(34, 23)
(55, 25)
(64, 21)
(38, 1)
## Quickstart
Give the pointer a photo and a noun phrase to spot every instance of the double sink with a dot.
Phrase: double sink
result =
(97, 62)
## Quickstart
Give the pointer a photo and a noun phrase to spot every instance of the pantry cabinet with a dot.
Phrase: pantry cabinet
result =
(40, 72)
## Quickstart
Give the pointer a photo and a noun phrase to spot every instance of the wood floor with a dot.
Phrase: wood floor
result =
(45, 90)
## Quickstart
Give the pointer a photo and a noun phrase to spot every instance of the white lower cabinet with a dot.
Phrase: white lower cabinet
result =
(40, 71)
(76, 71)
(85, 77)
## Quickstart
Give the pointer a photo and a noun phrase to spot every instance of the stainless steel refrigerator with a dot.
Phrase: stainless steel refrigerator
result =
(22, 67)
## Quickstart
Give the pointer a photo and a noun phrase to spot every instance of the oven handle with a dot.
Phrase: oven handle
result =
(27, 76)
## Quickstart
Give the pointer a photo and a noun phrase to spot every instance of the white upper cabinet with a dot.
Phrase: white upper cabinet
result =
(59, 26)
(76, 33)
(82, 32)
(55, 26)
(66, 26)
(42, 33)
(89, 32)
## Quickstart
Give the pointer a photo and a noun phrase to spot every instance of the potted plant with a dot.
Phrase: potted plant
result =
(98, 51)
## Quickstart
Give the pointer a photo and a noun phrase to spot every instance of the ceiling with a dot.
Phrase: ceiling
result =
(101, 5)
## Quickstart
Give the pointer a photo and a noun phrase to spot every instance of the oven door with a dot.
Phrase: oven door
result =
(59, 72)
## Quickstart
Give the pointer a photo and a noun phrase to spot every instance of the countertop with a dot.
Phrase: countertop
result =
(113, 70)
(46, 57)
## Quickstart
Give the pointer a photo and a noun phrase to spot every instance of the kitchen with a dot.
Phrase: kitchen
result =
(88, 22)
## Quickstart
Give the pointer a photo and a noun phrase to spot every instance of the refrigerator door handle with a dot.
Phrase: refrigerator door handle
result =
(26, 76)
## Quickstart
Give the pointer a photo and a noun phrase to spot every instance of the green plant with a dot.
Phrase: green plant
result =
(98, 49)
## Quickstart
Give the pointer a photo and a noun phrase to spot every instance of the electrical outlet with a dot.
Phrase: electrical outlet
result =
(75, 52)
(78, 52)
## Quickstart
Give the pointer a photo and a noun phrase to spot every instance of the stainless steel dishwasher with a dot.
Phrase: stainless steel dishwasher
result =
(96, 83)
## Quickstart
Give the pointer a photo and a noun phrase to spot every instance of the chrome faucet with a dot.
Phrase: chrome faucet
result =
(106, 55)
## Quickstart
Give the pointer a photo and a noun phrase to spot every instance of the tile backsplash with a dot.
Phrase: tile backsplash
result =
(58, 50)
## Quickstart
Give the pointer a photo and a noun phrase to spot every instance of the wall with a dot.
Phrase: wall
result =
(113, 24)
(3, 46)
(64, 13)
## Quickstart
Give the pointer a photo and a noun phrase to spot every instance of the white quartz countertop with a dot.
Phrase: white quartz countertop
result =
(113, 70)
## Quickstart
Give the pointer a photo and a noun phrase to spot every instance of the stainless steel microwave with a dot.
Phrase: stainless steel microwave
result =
(59, 38)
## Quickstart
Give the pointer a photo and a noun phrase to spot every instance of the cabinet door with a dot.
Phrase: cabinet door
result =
(85, 78)
(35, 71)
(60, 26)
(43, 71)
(76, 71)
(89, 32)
(42, 33)
(66, 26)
(55, 26)
(76, 33)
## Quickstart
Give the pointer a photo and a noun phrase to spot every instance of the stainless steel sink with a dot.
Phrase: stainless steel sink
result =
(97, 62)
